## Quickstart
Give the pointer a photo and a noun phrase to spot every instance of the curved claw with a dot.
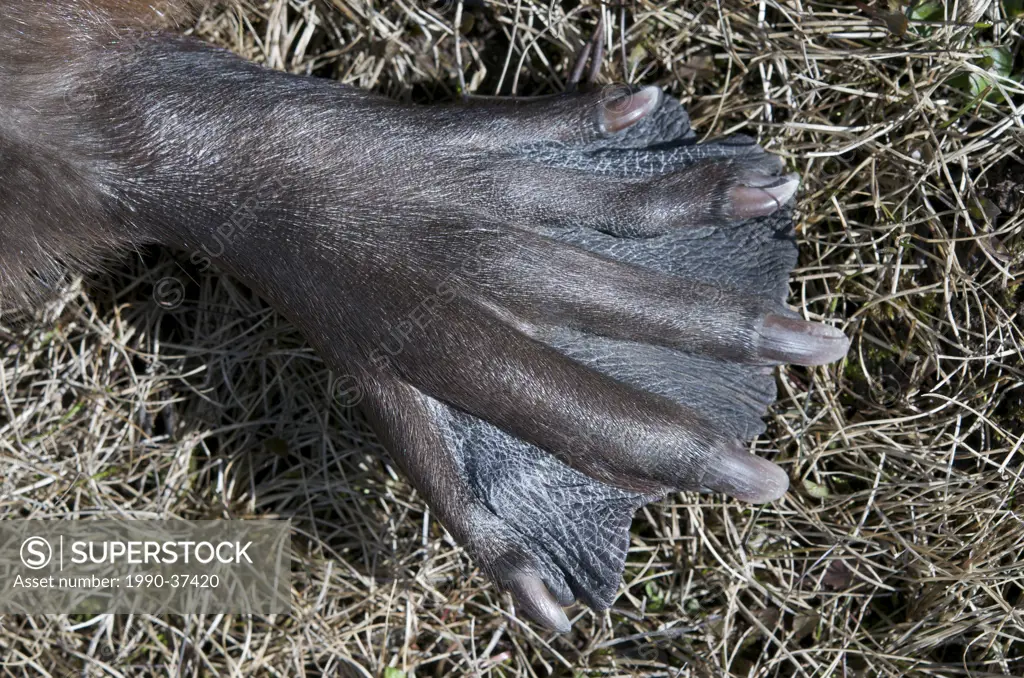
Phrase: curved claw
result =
(743, 476)
(792, 340)
(537, 603)
(759, 195)
(629, 108)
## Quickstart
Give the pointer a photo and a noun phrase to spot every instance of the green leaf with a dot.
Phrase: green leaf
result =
(392, 672)
(997, 61)
(927, 11)
(815, 490)
(655, 597)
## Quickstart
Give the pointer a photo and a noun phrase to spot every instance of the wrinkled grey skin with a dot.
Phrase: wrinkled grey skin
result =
(556, 310)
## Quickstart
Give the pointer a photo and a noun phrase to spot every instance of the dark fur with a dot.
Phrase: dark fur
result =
(474, 269)
(60, 206)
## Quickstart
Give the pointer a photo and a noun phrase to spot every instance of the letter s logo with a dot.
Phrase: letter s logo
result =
(36, 553)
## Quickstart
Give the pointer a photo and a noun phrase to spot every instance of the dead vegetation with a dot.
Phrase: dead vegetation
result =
(157, 390)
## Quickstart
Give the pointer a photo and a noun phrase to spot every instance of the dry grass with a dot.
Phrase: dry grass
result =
(896, 553)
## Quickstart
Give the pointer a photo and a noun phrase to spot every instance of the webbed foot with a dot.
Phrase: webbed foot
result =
(637, 356)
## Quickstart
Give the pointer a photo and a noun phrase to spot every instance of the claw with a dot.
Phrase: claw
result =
(792, 340)
(759, 195)
(743, 476)
(629, 109)
(537, 603)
